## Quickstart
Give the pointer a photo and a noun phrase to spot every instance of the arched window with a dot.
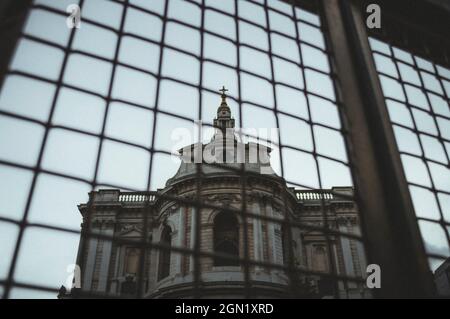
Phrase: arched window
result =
(320, 259)
(131, 261)
(164, 254)
(226, 239)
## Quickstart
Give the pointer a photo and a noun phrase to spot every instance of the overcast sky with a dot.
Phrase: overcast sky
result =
(45, 254)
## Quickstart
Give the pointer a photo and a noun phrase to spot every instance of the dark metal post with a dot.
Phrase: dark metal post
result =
(393, 239)
(12, 18)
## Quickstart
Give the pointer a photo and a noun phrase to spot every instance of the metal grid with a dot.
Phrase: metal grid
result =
(417, 97)
(307, 72)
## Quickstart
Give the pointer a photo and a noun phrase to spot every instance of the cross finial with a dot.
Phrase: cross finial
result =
(223, 90)
(223, 119)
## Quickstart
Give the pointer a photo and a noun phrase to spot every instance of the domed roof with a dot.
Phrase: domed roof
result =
(224, 154)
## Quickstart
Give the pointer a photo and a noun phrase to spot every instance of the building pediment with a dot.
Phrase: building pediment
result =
(130, 231)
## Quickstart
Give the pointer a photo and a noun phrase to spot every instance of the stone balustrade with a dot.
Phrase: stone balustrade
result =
(113, 196)
(325, 194)
(137, 197)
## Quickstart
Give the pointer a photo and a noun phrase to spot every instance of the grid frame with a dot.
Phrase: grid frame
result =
(145, 244)
(420, 132)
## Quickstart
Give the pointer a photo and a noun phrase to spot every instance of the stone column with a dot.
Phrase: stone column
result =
(106, 257)
(174, 255)
(346, 248)
(360, 249)
(257, 234)
(90, 261)
(181, 234)
(299, 250)
(278, 245)
(193, 234)
(114, 285)
(270, 233)
(309, 256)
(335, 256)
(154, 259)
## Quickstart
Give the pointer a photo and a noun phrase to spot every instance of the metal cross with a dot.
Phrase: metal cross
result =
(223, 90)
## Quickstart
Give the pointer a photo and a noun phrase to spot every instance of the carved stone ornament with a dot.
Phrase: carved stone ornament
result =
(126, 228)
(224, 199)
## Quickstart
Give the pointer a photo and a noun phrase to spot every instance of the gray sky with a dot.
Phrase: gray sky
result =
(45, 254)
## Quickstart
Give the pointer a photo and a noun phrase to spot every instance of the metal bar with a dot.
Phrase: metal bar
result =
(20, 237)
(12, 16)
(389, 224)
(387, 215)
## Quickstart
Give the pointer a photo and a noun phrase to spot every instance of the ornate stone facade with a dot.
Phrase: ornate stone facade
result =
(167, 218)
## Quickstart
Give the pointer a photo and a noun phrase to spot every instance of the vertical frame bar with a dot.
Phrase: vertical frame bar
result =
(387, 214)
(12, 18)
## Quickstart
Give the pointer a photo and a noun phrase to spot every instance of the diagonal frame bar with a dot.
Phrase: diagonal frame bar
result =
(388, 218)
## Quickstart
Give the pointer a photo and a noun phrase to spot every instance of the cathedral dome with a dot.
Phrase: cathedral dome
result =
(225, 154)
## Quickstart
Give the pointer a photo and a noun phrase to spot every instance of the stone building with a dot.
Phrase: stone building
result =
(168, 217)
